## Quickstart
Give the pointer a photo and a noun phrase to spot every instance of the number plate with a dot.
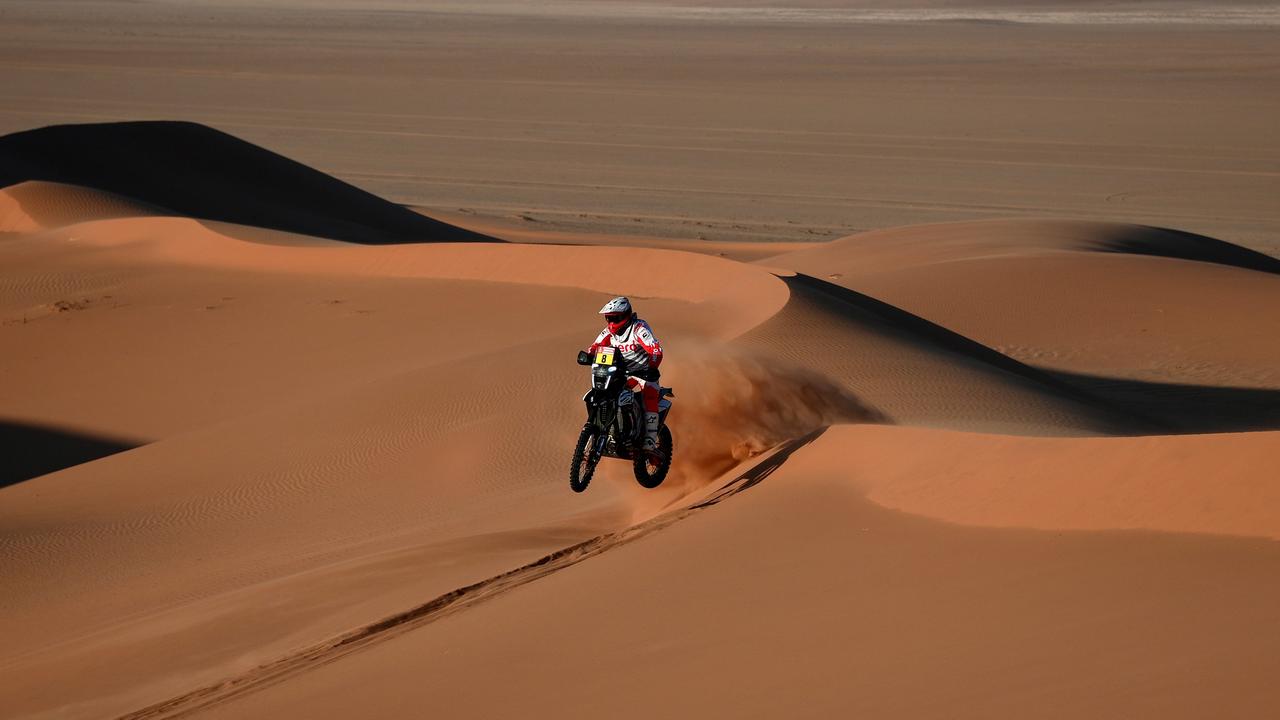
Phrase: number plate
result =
(604, 356)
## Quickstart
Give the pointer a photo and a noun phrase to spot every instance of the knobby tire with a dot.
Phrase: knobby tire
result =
(653, 479)
(584, 466)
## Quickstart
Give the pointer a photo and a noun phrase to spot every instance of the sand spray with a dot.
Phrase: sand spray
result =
(732, 404)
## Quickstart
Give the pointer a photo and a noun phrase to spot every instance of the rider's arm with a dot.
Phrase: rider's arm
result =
(644, 335)
(600, 341)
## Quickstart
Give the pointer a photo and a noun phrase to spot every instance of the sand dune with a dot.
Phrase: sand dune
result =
(298, 454)
(38, 205)
(920, 373)
(1179, 328)
(221, 178)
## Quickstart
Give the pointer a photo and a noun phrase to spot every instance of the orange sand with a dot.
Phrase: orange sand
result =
(278, 447)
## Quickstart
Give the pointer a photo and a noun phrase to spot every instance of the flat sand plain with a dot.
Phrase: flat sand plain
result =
(574, 116)
(973, 317)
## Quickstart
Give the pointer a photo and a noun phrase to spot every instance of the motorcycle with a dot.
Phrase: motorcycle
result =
(615, 424)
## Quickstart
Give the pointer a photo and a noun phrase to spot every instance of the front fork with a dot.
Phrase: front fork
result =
(595, 416)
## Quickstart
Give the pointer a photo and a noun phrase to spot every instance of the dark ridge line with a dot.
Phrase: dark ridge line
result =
(454, 601)
(199, 172)
(954, 342)
(1148, 407)
(1176, 244)
(937, 334)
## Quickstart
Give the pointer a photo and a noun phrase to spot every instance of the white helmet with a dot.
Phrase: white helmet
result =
(617, 305)
(618, 313)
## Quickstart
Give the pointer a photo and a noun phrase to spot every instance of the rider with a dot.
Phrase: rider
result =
(641, 355)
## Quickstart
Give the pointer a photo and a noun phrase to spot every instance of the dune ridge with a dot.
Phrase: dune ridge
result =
(37, 205)
(1179, 328)
(920, 373)
(879, 250)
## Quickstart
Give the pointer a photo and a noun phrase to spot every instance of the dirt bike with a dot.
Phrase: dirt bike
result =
(615, 424)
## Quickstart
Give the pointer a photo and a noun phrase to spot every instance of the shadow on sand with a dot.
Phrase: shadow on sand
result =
(35, 450)
(1182, 245)
(195, 171)
(1137, 407)
(1120, 419)
(1185, 408)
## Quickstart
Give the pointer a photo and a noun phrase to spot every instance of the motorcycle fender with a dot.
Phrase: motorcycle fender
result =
(664, 406)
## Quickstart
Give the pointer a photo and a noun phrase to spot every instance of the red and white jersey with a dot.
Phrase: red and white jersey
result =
(639, 348)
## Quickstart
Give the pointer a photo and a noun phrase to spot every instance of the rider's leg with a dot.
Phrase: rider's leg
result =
(650, 431)
(649, 394)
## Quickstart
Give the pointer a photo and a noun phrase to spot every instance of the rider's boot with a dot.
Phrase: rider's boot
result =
(651, 431)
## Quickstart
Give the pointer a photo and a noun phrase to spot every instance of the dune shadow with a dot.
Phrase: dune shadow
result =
(193, 170)
(1134, 407)
(1185, 408)
(35, 450)
(1182, 245)
(944, 338)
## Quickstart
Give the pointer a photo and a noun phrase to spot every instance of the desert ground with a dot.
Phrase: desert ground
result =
(972, 312)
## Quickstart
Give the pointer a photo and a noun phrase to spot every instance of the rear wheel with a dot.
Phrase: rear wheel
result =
(584, 459)
(650, 472)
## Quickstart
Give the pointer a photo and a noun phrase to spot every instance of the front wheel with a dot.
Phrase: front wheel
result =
(584, 459)
(649, 473)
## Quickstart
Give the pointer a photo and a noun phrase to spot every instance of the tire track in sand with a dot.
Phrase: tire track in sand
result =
(357, 639)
